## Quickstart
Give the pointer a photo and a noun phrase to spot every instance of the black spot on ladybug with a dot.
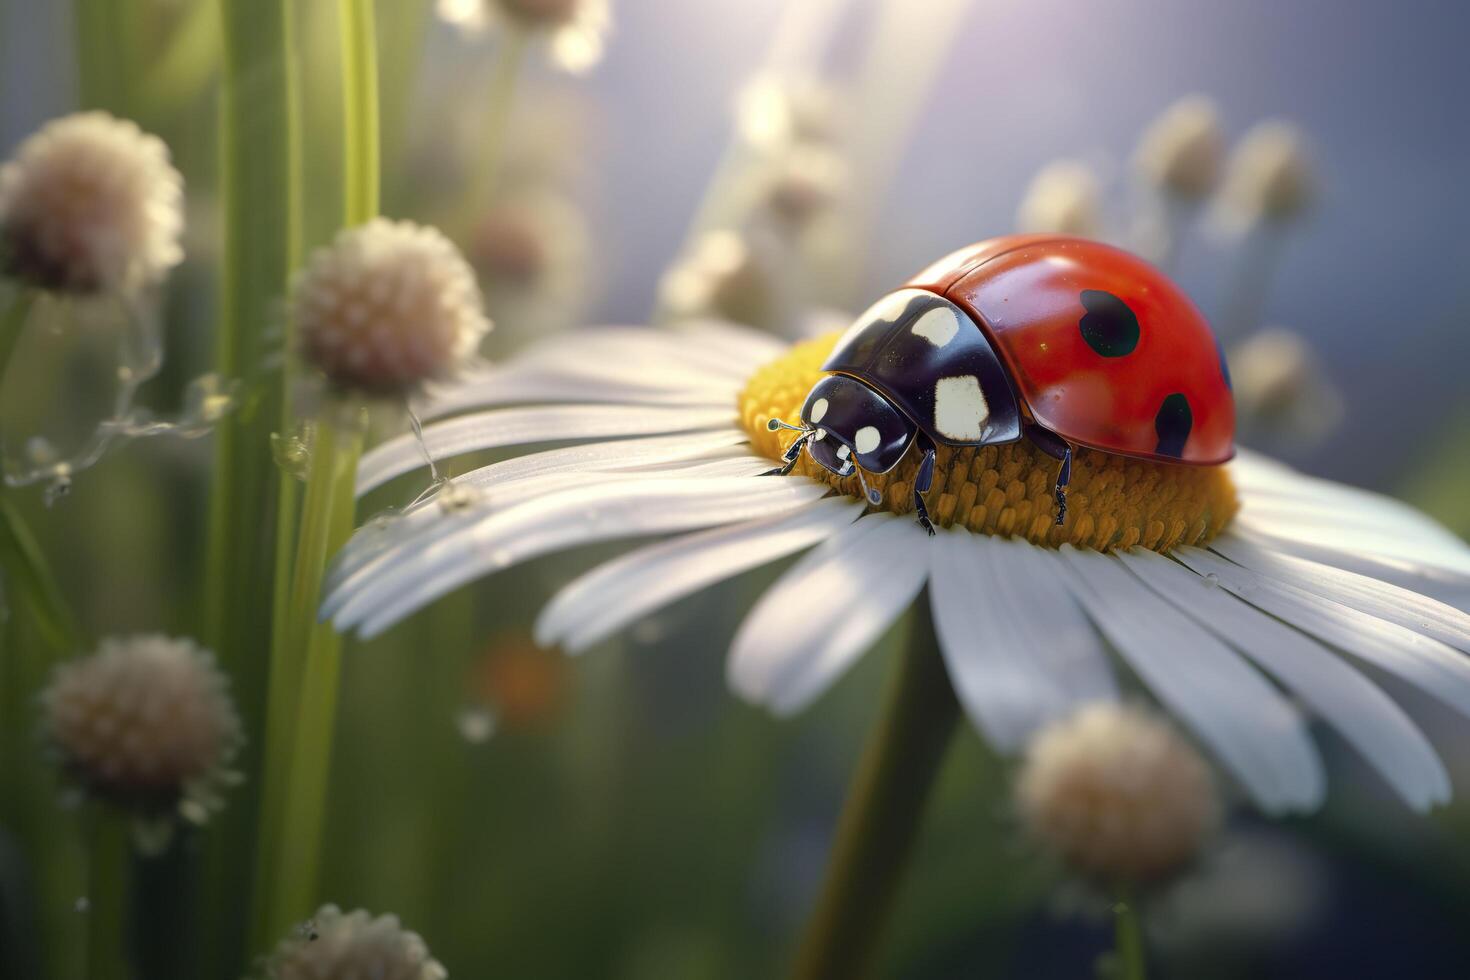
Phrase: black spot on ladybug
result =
(1172, 424)
(1108, 326)
(1224, 365)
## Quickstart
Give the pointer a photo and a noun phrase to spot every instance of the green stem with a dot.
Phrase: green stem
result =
(880, 819)
(305, 654)
(1129, 935)
(107, 897)
(499, 100)
(360, 110)
(298, 765)
(261, 198)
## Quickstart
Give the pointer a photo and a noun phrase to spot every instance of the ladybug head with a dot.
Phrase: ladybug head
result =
(849, 427)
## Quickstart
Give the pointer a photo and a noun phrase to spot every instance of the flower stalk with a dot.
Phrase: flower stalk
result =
(880, 820)
(110, 861)
(1129, 939)
(261, 199)
(306, 655)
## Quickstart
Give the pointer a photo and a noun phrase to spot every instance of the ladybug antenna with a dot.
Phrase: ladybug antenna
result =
(774, 424)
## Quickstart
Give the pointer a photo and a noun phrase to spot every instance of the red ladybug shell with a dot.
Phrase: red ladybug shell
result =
(1101, 347)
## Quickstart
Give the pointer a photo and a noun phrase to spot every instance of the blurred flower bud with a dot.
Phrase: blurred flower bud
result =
(721, 277)
(1269, 177)
(804, 183)
(337, 945)
(774, 112)
(1062, 198)
(577, 28)
(146, 724)
(387, 307)
(522, 684)
(90, 204)
(1281, 392)
(1181, 151)
(1117, 794)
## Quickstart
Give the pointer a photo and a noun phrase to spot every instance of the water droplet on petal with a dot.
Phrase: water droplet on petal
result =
(1211, 580)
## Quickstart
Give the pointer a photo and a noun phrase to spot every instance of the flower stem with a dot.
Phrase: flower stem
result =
(298, 765)
(1129, 937)
(306, 655)
(360, 110)
(880, 819)
(261, 197)
(107, 897)
(499, 100)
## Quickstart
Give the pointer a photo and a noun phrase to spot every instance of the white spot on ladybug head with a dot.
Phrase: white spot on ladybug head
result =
(819, 409)
(866, 440)
(843, 452)
(960, 409)
(821, 434)
(938, 326)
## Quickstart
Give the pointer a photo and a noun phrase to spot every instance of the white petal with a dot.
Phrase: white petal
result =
(1019, 649)
(1445, 586)
(1428, 664)
(551, 522)
(1315, 527)
(621, 591)
(519, 426)
(826, 610)
(624, 384)
(542, 473)
(1369, 719)
(1388, 602)
(1256, 733)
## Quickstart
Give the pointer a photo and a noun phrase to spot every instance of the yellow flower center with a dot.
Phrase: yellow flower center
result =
(1113, 501)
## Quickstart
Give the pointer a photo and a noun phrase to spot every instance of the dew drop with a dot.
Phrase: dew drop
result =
(476, 724)
(1211, 580)
(291, 453)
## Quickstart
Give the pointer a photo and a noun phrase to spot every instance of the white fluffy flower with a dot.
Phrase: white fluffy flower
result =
(1117, 794)
(1063, 198)
(1181, 151)
(146, 723)
(577, 28)
(337, 945)
(387, 307)
(1270, 177)
(1237, 635)
(90, 204)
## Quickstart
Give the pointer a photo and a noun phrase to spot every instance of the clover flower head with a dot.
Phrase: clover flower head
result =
(388, 307)
(1182, 150)
(1269, 178)
(1117, 794)
(337, 945)
(145, 723)
(1063, 198)
(90, 204)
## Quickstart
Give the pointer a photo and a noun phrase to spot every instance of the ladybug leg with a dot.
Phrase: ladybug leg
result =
(922, 482)
(793, 453)
(1057, 448)
(1064, 477)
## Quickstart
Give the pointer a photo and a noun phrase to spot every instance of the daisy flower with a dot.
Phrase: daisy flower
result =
(1237, 594)
(576, 29)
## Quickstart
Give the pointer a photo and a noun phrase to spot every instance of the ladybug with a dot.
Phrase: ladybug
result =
(1064, 341)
